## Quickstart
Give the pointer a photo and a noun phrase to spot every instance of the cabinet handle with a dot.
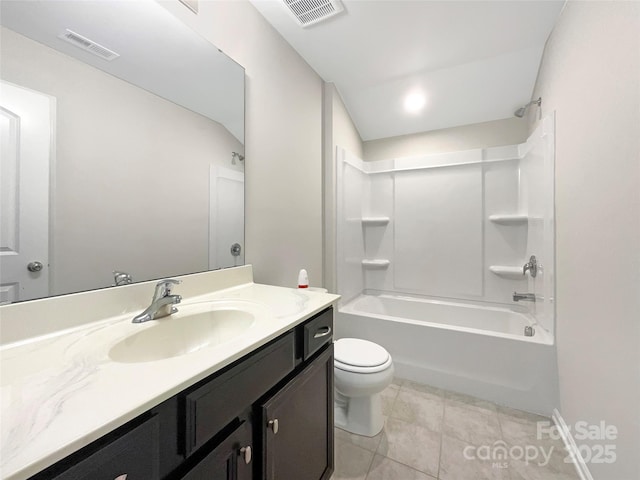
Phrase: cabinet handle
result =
(273, 425)
(245, 453)
(322, 332)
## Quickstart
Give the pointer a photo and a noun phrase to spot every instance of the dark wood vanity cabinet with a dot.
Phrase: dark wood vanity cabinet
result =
(267, 416)
(285, 391)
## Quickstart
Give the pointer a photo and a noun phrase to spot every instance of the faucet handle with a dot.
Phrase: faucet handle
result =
(531, 266)
(122, 278)
(164, 287)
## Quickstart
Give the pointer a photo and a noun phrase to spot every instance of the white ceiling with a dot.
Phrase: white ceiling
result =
(475, 61)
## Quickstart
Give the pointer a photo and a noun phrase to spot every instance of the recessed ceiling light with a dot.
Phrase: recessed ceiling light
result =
(414, 102)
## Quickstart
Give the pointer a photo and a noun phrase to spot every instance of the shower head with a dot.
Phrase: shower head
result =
(522, 110)
(235, 155)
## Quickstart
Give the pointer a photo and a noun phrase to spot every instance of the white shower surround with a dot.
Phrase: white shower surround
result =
(473, 343)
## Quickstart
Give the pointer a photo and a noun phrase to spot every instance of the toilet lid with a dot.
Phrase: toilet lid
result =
(359, 353)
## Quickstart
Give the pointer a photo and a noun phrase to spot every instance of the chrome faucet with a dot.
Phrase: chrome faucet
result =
(527, 297)
(162, 302)
(122, 278)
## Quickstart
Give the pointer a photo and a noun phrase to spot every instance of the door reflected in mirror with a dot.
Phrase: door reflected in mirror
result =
(128, 165)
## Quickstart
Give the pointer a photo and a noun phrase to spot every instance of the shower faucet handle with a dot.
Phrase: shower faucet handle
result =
(531, 266)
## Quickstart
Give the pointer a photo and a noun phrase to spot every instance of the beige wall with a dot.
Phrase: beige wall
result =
(590, 76)
(345, 133)
(282, 137)
(338, 131)
(131, 172)
(508, 131)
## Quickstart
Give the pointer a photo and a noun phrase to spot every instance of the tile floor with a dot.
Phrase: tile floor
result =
(428, 431)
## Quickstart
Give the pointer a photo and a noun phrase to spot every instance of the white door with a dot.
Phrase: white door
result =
(226, 223)
(26, 133)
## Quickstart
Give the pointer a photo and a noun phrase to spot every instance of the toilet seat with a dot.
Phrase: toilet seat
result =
(360, 356)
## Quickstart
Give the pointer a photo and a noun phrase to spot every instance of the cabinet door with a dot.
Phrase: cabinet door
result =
(232, 459)
(297, 425)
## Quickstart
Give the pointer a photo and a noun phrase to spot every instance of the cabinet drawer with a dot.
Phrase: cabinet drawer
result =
(133, 456)
(317, 332)
(209, 408)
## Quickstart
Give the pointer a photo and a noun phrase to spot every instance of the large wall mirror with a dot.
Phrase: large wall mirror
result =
(122, 135)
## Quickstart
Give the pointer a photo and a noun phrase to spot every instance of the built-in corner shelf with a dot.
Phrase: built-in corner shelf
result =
(375, 264)
(509, 219)
(507, 271)
(375, 221)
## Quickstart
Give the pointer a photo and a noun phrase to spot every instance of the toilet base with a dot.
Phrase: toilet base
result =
(359, 415)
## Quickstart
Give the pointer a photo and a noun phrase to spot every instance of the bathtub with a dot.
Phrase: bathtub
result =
(477, 350)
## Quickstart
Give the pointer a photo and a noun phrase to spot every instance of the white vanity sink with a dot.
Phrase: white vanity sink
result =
(192, 328)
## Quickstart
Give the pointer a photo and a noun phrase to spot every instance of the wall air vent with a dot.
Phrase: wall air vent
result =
(310, 12)
(88, 45)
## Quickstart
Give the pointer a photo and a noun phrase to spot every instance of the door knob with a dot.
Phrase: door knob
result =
(245, 453)
(273, 425)
(35, 266)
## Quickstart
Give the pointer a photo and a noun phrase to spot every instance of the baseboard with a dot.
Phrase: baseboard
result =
(570, 444)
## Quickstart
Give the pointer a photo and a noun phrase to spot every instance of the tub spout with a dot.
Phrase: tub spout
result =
(527, 297)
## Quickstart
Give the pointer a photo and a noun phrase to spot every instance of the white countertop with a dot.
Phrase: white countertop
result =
(61, 391)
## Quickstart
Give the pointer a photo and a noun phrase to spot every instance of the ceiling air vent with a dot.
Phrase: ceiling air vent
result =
(310, 12)
(88, 45)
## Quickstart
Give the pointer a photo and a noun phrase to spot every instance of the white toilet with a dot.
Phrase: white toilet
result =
(362, 370)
